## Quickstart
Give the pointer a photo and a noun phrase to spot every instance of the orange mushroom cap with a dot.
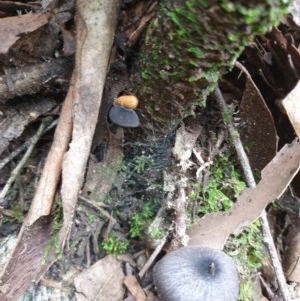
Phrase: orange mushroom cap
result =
(127, 101)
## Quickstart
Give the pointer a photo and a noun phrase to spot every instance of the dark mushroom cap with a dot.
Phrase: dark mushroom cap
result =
(196, 274)
(123, 117)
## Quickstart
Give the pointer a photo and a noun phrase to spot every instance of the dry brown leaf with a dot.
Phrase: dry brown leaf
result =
(213, 229)
(133, 286)
(257, 130)
(291, 262)
(103, 281)
(291, 105)
(12, 27)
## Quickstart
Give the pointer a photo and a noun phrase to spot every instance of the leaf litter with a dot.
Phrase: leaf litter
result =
(185, 151)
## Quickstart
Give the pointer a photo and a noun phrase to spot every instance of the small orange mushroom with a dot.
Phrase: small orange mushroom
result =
(127, 101)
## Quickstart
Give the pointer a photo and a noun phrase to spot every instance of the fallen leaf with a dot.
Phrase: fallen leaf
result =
(291, 262)
(103, 281)
(213, 229)
(257, 130)
(291, 105)
(12, 27)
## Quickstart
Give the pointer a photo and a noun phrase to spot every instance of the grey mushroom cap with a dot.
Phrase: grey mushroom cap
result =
(196, 274)
(123, 117)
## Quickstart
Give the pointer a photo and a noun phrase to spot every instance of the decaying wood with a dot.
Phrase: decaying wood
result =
(96, 22)
(95, 34)
(32, 78)
(22, 162)
(14, 123)
(16, 275)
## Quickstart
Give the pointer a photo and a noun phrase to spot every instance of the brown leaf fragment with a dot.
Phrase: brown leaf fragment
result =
(133, 286)
(12, 27)
(291, 104)
(257, 128)
(103, 281)
(25, 260)
(213, 229)
(291, 261)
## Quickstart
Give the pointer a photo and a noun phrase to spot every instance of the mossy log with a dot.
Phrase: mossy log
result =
(188, 46)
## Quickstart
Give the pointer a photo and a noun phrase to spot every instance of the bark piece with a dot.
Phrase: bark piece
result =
(133, 286)
(96, 21)
(32, 78)
(101, 175)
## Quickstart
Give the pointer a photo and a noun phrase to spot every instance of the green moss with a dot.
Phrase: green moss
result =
(189, 46)
(140, 221)
(223, 186)
(247, 251)
(114, 245)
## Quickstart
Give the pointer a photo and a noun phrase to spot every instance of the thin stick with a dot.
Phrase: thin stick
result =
(267, 236)
(27, 154)
(26, 144)
(152, 257)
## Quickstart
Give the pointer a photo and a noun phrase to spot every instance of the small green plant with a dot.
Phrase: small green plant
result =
(155, 232)
(114, 245)
(223, 186)
(247, 251)
(140, 220)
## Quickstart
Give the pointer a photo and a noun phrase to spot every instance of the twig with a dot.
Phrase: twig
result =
(27, 154)
(26, 144)
(267, 236)
(152, 257)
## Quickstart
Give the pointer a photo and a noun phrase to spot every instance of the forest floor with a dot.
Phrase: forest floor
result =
(118, 224)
